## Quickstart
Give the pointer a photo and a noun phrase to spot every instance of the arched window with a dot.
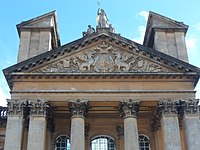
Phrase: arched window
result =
(102, 142)
(144, 142)
(62, 143)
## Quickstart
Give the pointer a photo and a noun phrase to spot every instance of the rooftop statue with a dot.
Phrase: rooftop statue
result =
(89, 31)
(102, 19)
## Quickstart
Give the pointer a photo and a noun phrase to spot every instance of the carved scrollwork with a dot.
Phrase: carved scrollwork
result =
(38, 107)
(129, 108)
(15, 107)
(120, 130)
(103, 58)
(78, 108)
(164, 108)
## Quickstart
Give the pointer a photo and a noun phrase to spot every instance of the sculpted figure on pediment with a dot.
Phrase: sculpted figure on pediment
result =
(120, 61)
(104, 58)
(85, 61)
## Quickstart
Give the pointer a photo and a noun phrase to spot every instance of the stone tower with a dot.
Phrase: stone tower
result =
(37, 36)
(166, 35)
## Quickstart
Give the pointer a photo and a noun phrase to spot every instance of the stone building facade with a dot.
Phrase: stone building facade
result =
(102, 91)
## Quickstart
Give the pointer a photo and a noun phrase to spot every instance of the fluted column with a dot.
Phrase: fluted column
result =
(129, 110)
(77, 110)
(14, 127)
(170, 125)
(191, 120)
(37, 125)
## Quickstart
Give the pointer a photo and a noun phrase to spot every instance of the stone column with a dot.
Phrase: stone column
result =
(170, 125)
(37, 125)
(14, 127)
(77, 110)
(128, 110)
(191, 121)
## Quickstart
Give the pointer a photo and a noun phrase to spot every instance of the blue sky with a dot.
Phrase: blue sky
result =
(127, 16)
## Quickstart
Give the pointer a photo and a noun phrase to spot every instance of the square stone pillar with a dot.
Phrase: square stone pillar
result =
(77, 110)
(170, 125)
(37, 125)
(14, 127)
(191, 119)
(128, 110)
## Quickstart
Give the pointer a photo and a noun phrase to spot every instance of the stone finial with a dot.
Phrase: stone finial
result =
(15, 107)
(78, 108)
(38, 107)
(129, 108)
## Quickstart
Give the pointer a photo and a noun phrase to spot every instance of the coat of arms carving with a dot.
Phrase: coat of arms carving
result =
(104, 58)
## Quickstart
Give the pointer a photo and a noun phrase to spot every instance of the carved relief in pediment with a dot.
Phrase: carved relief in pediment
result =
(104, 59)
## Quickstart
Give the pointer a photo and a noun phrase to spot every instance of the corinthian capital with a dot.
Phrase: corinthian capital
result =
(38, 107)
(15, 107)
(168, 107)
(78, 108)
(129, 108)
(190, 107)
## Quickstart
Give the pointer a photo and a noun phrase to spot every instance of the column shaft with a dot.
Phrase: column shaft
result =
(37, 133)
(171, 133)
(192, 130)
(77, 134)
(14, 132)
(78, 110)
(131, 134)
(37, 125)
(14, 127)
(191, 119)
(170, 124)
(128, 110)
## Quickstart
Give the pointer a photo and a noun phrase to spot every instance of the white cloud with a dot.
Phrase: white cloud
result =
(191, 43)
(144, 14)
(140, 38)
(4, 92)
(3, 97)
(197, 26)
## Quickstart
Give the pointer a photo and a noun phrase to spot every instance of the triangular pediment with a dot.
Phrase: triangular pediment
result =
(103, 58)
(102, 52)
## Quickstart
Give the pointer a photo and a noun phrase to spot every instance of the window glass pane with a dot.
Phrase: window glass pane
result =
(102, 142)
(144, 142)
(62, 143)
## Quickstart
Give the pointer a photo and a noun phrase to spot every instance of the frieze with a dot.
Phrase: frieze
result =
(103, 59)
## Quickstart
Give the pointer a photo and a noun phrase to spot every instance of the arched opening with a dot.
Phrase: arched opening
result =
(102, 142)
(62, 143)
(144, 142)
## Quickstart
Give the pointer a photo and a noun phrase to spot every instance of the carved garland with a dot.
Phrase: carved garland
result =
(103, 58)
